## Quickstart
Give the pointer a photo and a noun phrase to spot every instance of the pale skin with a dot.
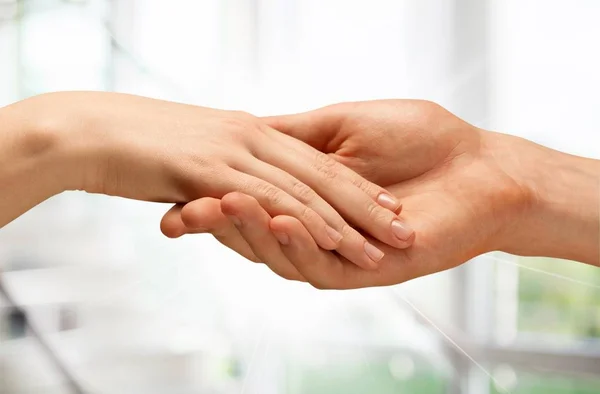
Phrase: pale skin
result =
(465, 191)
(153, 150)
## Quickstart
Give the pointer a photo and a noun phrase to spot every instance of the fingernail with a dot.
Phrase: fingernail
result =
(283, 238)
(373, 253)
(333, 234)
(401, 230)
(235, 220)
(387, 201)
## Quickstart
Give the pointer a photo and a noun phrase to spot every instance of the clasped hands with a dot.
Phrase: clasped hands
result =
(349, 195)
(459, 192)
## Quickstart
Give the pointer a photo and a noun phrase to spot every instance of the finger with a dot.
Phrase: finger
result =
(319, 128)
(252, 222)
(326, 270)
(355, 198)
(323, 129)
(205, 215)
(351, 243)
(316, 128)
(277, 202)
(322, 269)
(171, 224)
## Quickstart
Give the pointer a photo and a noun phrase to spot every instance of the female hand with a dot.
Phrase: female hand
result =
(466, 191)
(145, 149)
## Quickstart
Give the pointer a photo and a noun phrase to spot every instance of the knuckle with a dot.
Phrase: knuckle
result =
(302, 192)
(372, 210)
(243, 115)
(326, 166)
(271, 194)
(233, 124)
(348, 231)
(308, 215)
(351, 235)
(240, 127)
(366, 186)
(376, 213)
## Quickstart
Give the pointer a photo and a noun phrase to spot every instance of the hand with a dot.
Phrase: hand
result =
(464, 190)
(154, 150)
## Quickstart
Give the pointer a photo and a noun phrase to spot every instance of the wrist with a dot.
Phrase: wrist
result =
(560, 216)
(33, 151)
(56, 127)
(567, 210)
(32, 160)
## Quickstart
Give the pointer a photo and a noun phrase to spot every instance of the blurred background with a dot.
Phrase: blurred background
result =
(96, 300)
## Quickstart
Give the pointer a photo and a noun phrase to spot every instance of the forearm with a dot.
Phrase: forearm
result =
(34, 160)
(568, 210)
(562, 216)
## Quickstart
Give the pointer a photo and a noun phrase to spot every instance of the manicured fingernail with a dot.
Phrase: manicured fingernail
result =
(401, 230)
(389, 202)
(283, 238)
(333, 234)
(235, 220)
(373, 253)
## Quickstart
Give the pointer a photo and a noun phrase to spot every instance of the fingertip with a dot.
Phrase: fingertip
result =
(408, 242)
(172, 226)
(398, 210)
(203, 213)
(285, 224)
(334, 235)
(375, 255)
(402, 232)
(281, 237)
(171, 233)
(390, 202)
(232, 202)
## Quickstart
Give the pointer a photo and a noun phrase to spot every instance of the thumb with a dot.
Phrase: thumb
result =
(316, 128)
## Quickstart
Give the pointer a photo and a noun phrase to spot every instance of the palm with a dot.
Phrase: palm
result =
(452, 217)
(392, 141)
(431, 160)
